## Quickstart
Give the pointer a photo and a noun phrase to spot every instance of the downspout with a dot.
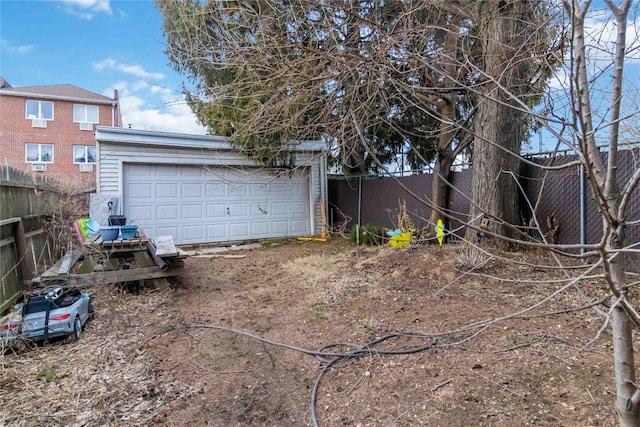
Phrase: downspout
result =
(98, 150)
(323, 188)
(311, 204)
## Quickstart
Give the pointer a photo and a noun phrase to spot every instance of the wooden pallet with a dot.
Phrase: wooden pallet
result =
(101, 262)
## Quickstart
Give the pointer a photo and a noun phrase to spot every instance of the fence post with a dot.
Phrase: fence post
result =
(359, 210)
(26, 268)
(583, 209)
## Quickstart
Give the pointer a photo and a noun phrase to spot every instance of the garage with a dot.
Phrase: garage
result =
(199, 189)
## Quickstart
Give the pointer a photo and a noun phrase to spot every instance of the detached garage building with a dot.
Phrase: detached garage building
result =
(200, 189)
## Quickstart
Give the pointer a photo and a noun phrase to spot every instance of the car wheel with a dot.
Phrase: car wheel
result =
(77, 329)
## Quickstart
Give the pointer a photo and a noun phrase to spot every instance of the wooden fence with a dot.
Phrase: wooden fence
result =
(24, 246)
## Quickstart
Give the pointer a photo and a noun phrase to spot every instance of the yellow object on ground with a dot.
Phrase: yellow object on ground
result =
(315, 239)
(400, 240)
(440, 231)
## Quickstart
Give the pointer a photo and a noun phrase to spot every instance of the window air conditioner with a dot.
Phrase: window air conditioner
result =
(86, 126)
(86, 167)
(39, 123)
(39, 167)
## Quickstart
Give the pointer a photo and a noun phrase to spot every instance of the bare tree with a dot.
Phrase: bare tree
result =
(294, 73)
(583, 130)
(612, 199)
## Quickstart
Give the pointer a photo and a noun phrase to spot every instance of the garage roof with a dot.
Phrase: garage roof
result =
(182, 140)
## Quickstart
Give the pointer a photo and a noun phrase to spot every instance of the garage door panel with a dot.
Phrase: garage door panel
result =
(196, 204)
(280, 228)
(164, 171)
(237, 210)
(166, 190)
(258, 190)
(166, 230)
(278, 188)
(297, 191)
(193, 233)
(141, 190)
(140, 213)
(236, 191)
(260, 229)
(193, 172)
(217, 232)
(299, 227)
(239, 231)
(193, 212)
(166, 212)
(299, 209)
(279, 208)
(141, 171)
(192, 190)
(215, 189)
(259, 208)
(216, 211)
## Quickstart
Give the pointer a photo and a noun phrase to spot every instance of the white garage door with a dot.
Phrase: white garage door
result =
(196, 204)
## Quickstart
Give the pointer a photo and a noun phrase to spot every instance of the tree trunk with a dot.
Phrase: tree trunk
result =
(354, 161)
(440, 187)
(606, 191)
(627, 393)
(447, 114)
(496, 125)
(626, 401)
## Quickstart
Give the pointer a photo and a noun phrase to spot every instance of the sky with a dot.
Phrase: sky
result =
(98, 45)
(102, 45)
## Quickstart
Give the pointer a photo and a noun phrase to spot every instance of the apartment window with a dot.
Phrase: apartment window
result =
(39, 153)
(39, 110)
(85, 113)
(84, 154)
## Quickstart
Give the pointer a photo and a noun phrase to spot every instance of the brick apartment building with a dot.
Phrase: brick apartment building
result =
(49, 130)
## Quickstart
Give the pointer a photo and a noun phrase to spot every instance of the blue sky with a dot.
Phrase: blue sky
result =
(102, 45)
(98, 45)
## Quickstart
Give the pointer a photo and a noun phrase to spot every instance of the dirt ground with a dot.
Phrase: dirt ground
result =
(291, 331)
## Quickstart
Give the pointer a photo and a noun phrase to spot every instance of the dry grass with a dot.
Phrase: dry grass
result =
(471, 257)
(64, 205)
(104, 379)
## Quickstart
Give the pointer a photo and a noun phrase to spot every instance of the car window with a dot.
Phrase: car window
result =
(38, 304)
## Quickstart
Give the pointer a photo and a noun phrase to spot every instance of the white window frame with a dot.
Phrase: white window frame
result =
(86, 154)
(39, 116)
(26, 152)
(85, 115)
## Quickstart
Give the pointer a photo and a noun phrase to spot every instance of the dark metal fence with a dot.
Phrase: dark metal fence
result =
(375, 200)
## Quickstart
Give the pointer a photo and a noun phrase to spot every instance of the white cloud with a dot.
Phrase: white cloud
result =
(86, 9)
(139, 85)
(600, 37)
(154, 119)
(167, 112)
(8, 46)
(134, 70)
